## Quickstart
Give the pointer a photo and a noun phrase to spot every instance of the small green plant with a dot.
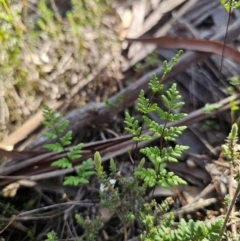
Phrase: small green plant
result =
(185, 231)
(155, 218)
(230, 5)
(127, 200)
(232, 155)
(30, 235)
(119, 200)
(52, 120)
(158, 155)
(52, 236)
(91, 228)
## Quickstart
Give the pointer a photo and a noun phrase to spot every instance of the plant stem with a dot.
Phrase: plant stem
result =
(125, 231)
(229, 211)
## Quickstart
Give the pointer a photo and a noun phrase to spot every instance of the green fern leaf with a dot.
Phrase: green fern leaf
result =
(176, 117)
(132, 125)
(155, 84)
(66, 139)
(166, 102)
(74, 181)
(147, 175)
(60, 127)
(153, 126)
(62, 163)
(172, 95)
(168, 179)
(162, 114)
(170, 134)
(86, 168)
(178, 105)
(75, 152)
(57, 147)
(50, 134)
(144, 106)
(142, 138)
(169, 154)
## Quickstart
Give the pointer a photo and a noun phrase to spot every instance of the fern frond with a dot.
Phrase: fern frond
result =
(153, 153)
(155, 84)
(171, 133)
(161, 113)
(132, 125)
(85, 170)
(51, 117)
(66, 140)
(195, 230)
(61, 126)
(176, 57)
(169, 154)
(147, 175)
(170, 99)
(169, 179)
(62, 163)
(56, 147)
(176, 117)
(75, 152)
(142, 138)
(144, 106)
(153, 126)
(74, 181)
(53, 121)
(50, 134)
(83, 173)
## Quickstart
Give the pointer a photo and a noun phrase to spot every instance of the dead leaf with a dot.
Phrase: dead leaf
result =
(202, 45)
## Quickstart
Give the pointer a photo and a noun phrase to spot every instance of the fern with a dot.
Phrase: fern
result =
(132, 125)
(230, 5)
(158, 228)
(188, 231)
(52, 236)
(159, 156)
(52, 120)
(156, 223)
(168, 67)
